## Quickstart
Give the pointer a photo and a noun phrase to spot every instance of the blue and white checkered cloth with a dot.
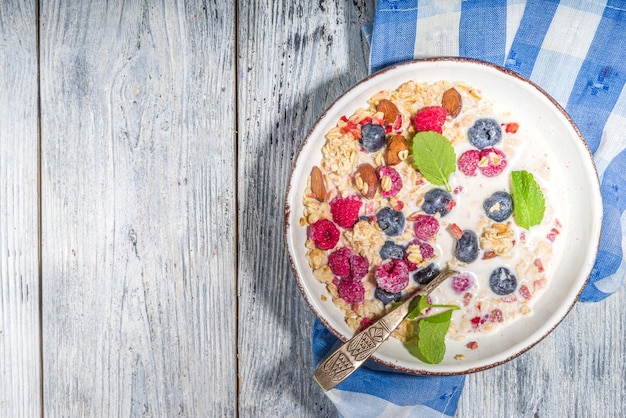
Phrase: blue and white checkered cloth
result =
(573, 49)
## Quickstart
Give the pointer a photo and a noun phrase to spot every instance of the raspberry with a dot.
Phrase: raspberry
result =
(365, 323)
(390, 181)
(324, 234)
(339, 262)
(359, 266)
(468, 162)
(426, 250)
(345, 210)
(461, 282)
(351, 290)
(430, 118)
(392, 276)
(492, 162)
(425, 227)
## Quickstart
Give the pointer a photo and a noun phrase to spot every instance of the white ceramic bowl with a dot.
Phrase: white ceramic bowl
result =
(582, 210)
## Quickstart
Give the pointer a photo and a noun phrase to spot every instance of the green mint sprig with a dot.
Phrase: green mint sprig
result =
(434, 157)
(426, 334)
(529, 204)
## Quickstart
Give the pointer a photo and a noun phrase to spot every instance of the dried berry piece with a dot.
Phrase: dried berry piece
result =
(317, 184)
(365, 180)
(452, 102)
(389, 109)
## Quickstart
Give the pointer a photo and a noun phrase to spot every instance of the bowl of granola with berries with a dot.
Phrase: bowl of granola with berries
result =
(444, 162)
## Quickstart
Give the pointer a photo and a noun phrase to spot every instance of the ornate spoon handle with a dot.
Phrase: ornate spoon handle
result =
(351, 355)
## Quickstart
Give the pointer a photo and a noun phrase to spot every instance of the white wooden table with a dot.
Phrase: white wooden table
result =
(144, 153)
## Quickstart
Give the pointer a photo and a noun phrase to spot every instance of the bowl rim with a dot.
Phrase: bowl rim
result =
(380, 73)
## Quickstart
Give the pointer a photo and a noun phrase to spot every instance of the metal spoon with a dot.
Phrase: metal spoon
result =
(351, 355)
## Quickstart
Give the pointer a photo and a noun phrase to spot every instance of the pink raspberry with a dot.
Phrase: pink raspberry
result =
(351, 290)
(426, 250)
(425, 227)
(359, 266)
(461, 282)
(324, 234)
(430, 118)
(392, 186)
(345, 210)
(468, 162)
(339, 262)
(492, 162)
(393, 275)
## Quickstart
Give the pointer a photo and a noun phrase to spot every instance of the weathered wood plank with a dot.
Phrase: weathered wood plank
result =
(295, 58)
(138, 208)
(20, 371)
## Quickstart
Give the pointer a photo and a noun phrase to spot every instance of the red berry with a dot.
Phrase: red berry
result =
(461, 282)
(392, 186)
(392, 276)
(492, 162)
(345, 210)
(351, 290)
(496, 315)
(430, 118)
(468, 162)
(324, 234)
(359, 266)
(426, 250)
(339, 262)
(425, 227)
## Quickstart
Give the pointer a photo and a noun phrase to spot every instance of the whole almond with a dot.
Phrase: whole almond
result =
(365, 180)
(452, 102)
(317, 184)
(397, 149)
(389, 109)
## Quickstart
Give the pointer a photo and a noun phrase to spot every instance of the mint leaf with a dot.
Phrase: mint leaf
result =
(429, 344)
(434, 157)
(529, 203)
(417, 307)
(426, 335)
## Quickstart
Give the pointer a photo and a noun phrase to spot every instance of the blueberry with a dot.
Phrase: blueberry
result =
(386, 297)
(390, 221)
(502, 282)
(373, 137)
(427, 274)
(392, 250)
(484, 133)
(498, 206)
(437, 201)
(467, 247)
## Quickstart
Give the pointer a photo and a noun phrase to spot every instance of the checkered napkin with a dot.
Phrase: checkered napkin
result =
(573, 49)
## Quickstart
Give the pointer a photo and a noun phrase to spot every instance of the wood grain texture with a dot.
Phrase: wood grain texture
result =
(295, 58)
(20, 369)
(138, 208)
